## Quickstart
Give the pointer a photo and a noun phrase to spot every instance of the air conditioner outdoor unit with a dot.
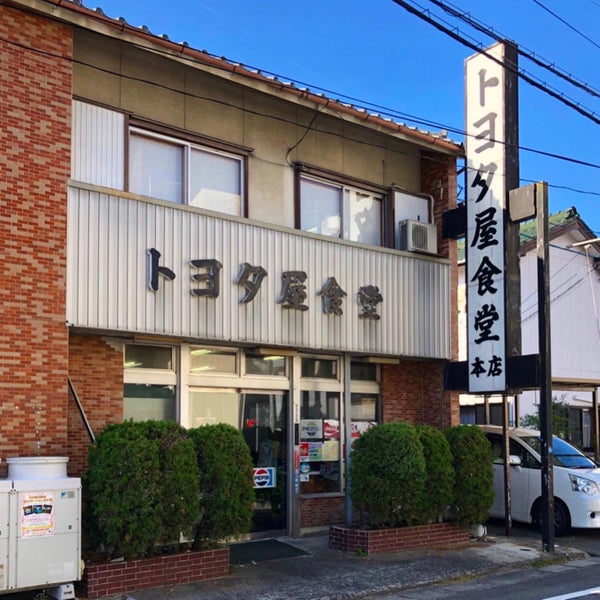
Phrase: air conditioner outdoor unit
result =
(417, 236)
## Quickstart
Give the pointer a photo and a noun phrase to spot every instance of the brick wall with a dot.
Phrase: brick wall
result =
(371, 542)
(96, 371)
(35, 113)
(414, 392)
(115, 578)
(316, 512)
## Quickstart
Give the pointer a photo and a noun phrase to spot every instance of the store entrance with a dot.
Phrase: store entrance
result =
(264, 426)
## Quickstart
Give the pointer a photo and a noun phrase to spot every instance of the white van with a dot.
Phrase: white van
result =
(576, 480)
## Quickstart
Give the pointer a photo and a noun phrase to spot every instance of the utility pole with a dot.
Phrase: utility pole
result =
(543, 276)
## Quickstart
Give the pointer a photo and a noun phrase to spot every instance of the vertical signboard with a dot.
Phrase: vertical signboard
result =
(486, 200)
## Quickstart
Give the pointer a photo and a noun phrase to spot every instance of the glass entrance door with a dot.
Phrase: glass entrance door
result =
(263, 421)
(261, 416)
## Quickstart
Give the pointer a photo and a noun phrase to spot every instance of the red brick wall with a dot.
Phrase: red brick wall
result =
(391, 540)
(316, 512)
(129, 576)
(35, 124)
(414, 392)
(96, 371)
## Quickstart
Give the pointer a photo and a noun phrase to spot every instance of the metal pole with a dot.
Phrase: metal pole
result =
(543, 273)
(347, 434)
(595, 425)
(506, 453)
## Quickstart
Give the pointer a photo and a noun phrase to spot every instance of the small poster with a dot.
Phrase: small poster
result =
(359, 427)
(311, 429)
(304, 452)
(315, 451)
(37, 514)
(331, 429)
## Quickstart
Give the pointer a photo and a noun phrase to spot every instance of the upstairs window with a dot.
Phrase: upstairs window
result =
(186, 173)
(340, 211)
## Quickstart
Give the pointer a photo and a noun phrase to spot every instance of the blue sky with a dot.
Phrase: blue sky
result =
(377, 53)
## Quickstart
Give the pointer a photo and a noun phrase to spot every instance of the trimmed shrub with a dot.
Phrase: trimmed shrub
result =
(226, 487)
(387, 474)
(439, 479)
(140, 488)
(179, 479)
(474, 475)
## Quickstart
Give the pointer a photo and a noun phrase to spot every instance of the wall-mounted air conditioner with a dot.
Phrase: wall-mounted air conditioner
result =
(417, 236)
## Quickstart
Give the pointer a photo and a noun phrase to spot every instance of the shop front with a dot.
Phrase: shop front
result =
(289, 407)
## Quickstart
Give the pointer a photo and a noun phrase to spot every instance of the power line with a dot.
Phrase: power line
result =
(524, 52)
(361, 103)
(477, 47)
(566, 23)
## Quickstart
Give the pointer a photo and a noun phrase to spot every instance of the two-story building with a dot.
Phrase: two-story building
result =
(185, 238)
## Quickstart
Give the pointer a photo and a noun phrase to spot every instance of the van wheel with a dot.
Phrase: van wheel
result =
(562, 520)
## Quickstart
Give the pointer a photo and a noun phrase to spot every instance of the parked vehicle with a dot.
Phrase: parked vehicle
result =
(576, 480)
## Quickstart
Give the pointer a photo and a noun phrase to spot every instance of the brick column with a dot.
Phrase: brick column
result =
(35, 117)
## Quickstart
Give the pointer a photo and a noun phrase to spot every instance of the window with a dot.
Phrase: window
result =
(360, 371)
(340, 211)
(185, 173)
(320, 368)
(149, 378)
(142, 402)
(206, 360)
(148, 357)
(265, 365)
(320, 449)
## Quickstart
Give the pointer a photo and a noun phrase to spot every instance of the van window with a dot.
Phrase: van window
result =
(515, 449)
(565, 455)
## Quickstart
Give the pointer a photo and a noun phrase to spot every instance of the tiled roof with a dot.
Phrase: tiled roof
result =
(438, 141)
(527, 229)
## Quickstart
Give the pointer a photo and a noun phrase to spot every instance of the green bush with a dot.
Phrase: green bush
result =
(387, 474)
(120, 488)
(439, 479)
(226, 486)
(178, 479)
(140, 488)
(474, 475)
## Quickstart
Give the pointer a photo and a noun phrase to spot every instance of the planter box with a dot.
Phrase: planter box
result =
(127, 576)
(375, 541)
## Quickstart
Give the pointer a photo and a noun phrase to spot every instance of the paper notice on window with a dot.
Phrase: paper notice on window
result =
(331, 450)
(37, 515)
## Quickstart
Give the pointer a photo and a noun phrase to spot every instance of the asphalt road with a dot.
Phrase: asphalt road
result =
(574, 580)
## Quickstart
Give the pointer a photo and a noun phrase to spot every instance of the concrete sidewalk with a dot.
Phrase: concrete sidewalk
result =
(326, 574)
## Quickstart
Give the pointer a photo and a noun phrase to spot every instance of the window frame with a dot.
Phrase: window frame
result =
(189, 141)
(154, 377)
(345, 183)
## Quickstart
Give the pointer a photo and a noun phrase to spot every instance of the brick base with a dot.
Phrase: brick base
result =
(369, 541)
(128, 576)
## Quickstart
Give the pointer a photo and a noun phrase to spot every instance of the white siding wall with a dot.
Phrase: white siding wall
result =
(109, 236)
(98, 146)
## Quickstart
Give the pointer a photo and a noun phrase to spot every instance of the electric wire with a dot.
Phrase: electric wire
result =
(364, 105)
(488, 30)
(566, 23)
(478, 47)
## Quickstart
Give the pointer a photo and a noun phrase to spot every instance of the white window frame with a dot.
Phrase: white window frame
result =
(346, 194)
(163, 377)
(187, 148)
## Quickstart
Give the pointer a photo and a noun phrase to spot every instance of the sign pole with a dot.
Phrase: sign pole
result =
(543, 276)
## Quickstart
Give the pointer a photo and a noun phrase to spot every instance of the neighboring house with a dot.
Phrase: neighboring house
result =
(185, 238)
(574, 325)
